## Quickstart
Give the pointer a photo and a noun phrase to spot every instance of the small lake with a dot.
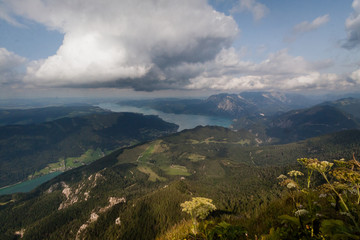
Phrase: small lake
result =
(27, 186)
(185, 121)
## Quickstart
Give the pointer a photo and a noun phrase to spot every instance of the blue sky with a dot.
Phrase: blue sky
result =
(177, 48)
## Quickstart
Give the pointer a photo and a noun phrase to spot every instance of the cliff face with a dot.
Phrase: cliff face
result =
(231, 104)
(255, 103)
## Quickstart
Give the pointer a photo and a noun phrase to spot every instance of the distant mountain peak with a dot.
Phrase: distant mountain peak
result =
(254, 103)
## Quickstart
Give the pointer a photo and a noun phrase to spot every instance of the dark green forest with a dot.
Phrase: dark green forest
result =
(26, 149)
(136, 192)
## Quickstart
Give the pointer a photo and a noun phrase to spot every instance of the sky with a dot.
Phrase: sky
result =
(188, 48)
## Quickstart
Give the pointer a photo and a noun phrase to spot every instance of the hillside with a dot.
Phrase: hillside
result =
(298, 124)
(46, 114)
(302, 124)
(348, 105)
(35, 149)
(135, 192)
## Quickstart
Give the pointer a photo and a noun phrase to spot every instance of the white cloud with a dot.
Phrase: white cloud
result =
(310, 26)
(280, 71)
(353, 27)
(10, 67)
(4, 14)
(135, 43)
(156, 45)
(306, 26)
(355, 77)
(257, 9)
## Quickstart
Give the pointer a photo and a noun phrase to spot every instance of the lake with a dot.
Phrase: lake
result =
(29, 185)
(185, 121)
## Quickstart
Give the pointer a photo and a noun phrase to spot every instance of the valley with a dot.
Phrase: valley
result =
(179, 120)
(184, 121)
(226, 166)
(28, 151)
(28, 185)
(124, 175)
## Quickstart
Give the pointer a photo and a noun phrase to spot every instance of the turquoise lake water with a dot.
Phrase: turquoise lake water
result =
(185, 121)
(28, 185)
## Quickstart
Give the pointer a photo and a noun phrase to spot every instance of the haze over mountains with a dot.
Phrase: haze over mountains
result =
(244, 104)
(230, 105)
(44, 114)
(269, 115)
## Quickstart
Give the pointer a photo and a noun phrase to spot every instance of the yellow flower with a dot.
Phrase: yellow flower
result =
(301, 212)
(321, 167)
(291, 185)
(282, 177)
(294, 173)
(198, 207)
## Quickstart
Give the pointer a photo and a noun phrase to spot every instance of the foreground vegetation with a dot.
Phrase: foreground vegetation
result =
(312, 208)
(326, 211)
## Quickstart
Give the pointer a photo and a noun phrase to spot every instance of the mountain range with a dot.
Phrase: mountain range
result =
(273, 117)
(229, 105)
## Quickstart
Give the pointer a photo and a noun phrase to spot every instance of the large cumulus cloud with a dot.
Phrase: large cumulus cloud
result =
(353, 27)
(133, 43)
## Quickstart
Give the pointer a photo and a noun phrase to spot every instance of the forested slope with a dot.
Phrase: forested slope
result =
(135, 192)
(25, 149)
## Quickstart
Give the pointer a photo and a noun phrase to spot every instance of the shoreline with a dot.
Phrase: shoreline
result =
(27, 186)
(11, 185)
